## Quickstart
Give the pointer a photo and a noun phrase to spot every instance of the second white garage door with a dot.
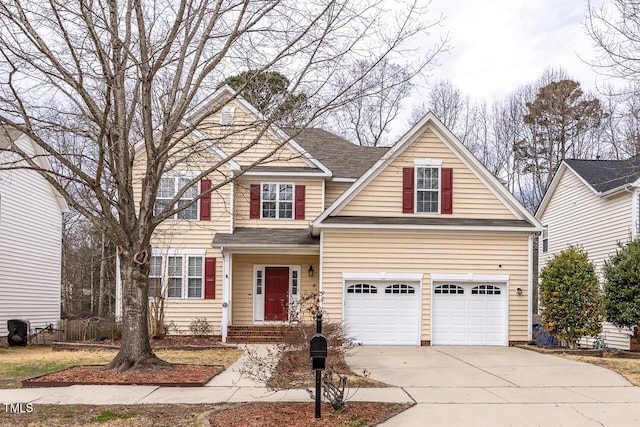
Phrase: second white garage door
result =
(469, 314)
(378, 313)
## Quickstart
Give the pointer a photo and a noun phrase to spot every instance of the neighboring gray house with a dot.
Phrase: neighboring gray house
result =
(30, 239)
(593, 204)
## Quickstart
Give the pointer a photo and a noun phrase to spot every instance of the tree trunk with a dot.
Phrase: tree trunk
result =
(135, 351)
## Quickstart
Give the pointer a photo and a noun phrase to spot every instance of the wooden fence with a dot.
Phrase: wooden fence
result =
(88, 330)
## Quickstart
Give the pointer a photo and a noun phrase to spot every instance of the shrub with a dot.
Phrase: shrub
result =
(200, 327)
(622, 286)
(572, 305)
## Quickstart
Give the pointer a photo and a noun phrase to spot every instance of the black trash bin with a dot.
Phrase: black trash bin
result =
(18, 332)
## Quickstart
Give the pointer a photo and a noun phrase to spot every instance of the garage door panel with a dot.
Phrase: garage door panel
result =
(469, 314)
(393, 314)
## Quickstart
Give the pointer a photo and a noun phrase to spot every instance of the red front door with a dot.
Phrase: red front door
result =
(276, 291)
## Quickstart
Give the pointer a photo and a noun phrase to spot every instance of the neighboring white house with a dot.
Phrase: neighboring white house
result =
(592, 204)
(30, 239)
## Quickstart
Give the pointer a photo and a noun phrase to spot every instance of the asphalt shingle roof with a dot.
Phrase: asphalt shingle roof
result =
(606, 175)
(344, 159)
(276, 237)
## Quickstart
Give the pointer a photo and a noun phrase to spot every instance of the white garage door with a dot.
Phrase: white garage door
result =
(469, 314)
(383, 313)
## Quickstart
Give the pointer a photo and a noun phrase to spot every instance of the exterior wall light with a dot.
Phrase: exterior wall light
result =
(310, 271)
(519, 291)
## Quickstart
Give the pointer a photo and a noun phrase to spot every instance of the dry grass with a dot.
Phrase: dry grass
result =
(18, 363)
(628, 368)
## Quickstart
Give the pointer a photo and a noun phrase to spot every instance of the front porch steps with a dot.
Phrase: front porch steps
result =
(257, 334)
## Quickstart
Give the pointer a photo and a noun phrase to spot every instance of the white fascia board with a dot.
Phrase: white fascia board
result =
(533, 229)
(593, 190)
(43, 160)
(471, 277)
(347, 180)
(552, 188)
(413, 277)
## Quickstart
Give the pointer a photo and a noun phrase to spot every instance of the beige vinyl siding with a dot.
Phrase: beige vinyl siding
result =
(177, 233)
(30, 247)
(242, 288)
(312, 208)
(184, 311)
(244, 131)
(383, 196)
(428, 253)
(333, 190)
(575, 215)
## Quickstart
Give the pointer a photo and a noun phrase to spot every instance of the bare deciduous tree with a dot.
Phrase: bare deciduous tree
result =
(97, 82)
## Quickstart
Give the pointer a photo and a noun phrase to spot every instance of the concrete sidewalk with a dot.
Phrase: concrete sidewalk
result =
(228, 386)
(450, 386)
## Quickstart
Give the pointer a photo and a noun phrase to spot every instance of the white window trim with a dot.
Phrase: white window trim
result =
(416, 189)
(427, 162)
(545, 228)
(258, 300)
(186, 175)
(185, 254)
(293, 200)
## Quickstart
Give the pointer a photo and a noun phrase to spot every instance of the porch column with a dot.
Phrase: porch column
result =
(226, 293)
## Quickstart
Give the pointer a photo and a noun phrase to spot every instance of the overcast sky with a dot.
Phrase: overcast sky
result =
(499, 45)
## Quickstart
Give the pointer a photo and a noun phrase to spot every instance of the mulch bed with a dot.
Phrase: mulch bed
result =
(624, 354)
(303, 414)
(177, 375)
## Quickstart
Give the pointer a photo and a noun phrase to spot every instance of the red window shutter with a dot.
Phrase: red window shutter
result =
(446, 195)
(254, 210)
(205, 201)
(209, 278)
(407, 190)
(300, 201)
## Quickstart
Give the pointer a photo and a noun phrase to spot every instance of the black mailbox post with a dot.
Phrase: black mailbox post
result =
(318, 353)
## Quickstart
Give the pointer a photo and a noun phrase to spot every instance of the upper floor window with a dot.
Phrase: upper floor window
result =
(168, 188)
(227, 114)
(427, 189)
(277, 201)
(545, 238)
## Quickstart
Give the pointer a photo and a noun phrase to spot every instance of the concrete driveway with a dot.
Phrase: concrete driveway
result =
(499, 386)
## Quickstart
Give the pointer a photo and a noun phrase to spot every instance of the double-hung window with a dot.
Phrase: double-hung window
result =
(427, 189)
(167, 190)
(545, 238)
(277, 201)
(183, 276)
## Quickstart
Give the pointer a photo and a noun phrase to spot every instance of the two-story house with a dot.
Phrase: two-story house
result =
(30, 241)
(593, 204)
(413, 244)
